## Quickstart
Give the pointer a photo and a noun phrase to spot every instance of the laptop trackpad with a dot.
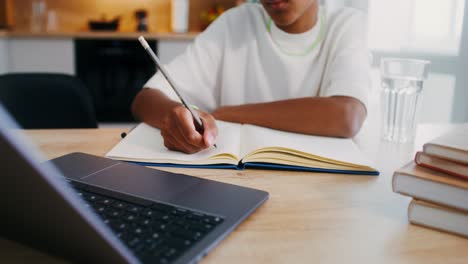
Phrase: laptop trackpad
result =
(142, 182)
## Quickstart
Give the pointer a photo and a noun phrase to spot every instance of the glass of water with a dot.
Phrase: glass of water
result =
(402, 84)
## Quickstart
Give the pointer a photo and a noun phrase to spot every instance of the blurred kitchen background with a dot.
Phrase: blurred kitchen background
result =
(95, 41)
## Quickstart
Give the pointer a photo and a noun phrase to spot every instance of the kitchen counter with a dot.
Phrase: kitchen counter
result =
(101, 35)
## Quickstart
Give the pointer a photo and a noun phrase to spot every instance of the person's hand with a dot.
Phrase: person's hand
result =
(180, 134)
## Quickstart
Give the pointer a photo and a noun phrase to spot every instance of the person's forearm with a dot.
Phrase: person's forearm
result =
(330, 116)
(151, 106)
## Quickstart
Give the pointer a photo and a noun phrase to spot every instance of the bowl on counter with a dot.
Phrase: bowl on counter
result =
(97, 25)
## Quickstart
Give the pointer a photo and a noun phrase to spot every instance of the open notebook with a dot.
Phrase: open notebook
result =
(248, 146)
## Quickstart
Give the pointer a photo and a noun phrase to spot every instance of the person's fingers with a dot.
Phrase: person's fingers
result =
(170, 145)
(185, 146)
(173, 142)
(172, 125)
(168, 140)
(210, 129)
(174, 132)
(187, 128)
(190, 141)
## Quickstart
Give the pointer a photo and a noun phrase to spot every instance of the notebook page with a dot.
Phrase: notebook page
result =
(146, 144)
(255, 137)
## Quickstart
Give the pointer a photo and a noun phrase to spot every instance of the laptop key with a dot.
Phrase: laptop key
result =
(186, 234)
(101, 210)
(212, 220)
(119, 225)
(171, 253)
(182, 223)
(120, 205)
(179, 212)
(113, 213)
(161, 227)
(130, 218)
(133, 209)
(164, 218)
(148, 213)
(179, 243)
(105, 201)
(96, 197)
(133, 242)
(155, 224)
(195, 217)
(140, 231)
(201, 227)
(145, 222)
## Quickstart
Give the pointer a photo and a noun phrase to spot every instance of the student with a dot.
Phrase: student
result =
(290, 65)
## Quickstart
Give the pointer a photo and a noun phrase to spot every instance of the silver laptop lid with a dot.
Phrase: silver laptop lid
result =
(40, 209)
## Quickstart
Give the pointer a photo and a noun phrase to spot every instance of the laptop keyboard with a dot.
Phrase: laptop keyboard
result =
(157, 232)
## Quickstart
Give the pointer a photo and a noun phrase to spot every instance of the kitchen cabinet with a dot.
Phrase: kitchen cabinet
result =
(3, 56)
(113, 67)
(57, 55)
(52, 55)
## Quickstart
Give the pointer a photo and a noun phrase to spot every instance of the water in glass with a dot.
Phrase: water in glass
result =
(400, 98)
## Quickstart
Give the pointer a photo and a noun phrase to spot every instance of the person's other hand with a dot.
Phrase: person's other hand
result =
(180, 133)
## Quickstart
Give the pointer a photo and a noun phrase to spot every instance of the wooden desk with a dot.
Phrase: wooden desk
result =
(322, 218)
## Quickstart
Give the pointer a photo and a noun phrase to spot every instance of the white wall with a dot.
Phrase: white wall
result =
(169, 49)
(460, 106)
(436, 31)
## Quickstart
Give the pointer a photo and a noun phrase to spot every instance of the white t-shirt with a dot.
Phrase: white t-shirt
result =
(244, 58)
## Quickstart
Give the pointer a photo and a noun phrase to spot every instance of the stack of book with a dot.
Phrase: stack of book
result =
(438, 182)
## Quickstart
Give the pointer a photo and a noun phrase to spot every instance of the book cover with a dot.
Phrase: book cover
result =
(431, 186)
(435, 163)
(450, 146)
(438, 217)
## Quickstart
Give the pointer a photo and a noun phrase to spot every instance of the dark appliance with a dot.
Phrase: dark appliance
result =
(142, 21)
(103, 25)
(114, 71)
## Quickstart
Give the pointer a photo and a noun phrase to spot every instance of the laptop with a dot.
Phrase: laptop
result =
(90, 209)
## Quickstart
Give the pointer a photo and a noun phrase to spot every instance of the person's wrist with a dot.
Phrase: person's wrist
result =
(173, 106)
(169, 111)
(222, 113)
(217, 114)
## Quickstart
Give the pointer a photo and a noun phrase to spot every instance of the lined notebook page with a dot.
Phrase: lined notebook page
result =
(146, 144)
(345, 150)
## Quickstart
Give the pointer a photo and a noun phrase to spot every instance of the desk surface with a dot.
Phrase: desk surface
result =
(323, 218)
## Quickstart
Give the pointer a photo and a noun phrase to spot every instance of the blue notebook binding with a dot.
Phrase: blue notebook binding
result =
(258, 165)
